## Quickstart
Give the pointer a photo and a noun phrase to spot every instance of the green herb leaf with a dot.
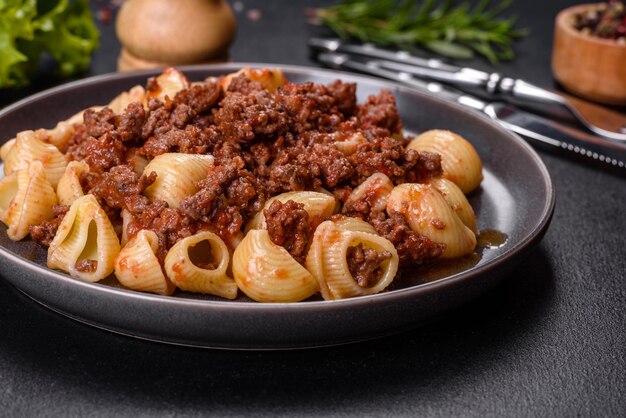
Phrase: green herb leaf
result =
(450, 49)
(28, 28)
(448, 28)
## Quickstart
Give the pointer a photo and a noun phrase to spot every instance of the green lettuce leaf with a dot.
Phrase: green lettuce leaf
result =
(63, 29)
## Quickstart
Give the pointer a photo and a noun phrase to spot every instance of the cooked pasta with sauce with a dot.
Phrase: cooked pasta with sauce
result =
(242, 184)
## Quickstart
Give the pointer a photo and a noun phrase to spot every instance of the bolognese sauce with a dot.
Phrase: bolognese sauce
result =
(264, 143)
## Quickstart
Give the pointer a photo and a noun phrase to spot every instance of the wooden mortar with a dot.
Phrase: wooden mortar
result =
(159, 33)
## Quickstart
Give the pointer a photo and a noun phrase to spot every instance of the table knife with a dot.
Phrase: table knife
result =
(535, 129)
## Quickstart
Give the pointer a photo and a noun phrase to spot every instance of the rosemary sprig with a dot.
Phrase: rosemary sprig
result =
(448, 28)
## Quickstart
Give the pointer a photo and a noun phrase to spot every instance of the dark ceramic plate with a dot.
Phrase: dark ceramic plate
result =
(516, 199)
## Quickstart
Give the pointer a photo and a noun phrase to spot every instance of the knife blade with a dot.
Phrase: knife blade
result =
(535, 129)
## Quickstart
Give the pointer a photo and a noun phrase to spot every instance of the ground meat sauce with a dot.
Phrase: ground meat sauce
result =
(412, 247)
(86, 266)
(365, 264)
(288, 226)
(264, 143)
(119, 188)
(389, 156)
(44, 232)
(380, 112)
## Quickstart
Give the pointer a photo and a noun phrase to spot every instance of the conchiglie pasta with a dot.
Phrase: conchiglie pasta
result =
(349, 223)
(122, 100)
(266, 272)
(137, 162)
(337, 208)
(167, 84)
(69, 188)
(5, 148)
(85, 244)
(329, 261)
(269, 78)
(57, 136)
(373, 192)
(177, 175)
(457, 201)
(26, 199)
(459, 160)
(349, 145)
(8, 191)
(428, 214)
(29, 147)
(318, 205)
(127, 218)
(322, 235)
(138, 268)
(60, 135)
(198, 264)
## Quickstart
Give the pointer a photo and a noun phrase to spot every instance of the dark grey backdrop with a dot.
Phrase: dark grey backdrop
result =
(549, 341)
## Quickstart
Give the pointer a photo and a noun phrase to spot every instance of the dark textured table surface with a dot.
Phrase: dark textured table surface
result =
(549, 341)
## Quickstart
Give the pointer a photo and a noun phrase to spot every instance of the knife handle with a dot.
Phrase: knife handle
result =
(492, 83)
(561, 138)
(584, 154)
(522, 90)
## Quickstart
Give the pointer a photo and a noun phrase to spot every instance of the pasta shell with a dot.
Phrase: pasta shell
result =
(8, 191)
(317, 204)
(459, 160)
(269, 78)
(69, 188)
(6, 147)
(60, 135)
(457, 201)
(328, 193)
(314, 262)
(327, 261)
(26, 199)
(30, 147)
(137, 161)
(177, 175)
(374, 190)
(266, 272)
(167, 84)
(122, 100)
(138, 268)
(349, 223)
(85, 236)
(181, 265)
(349, 145)
(428, 214)
(127, 218)
(57, 136)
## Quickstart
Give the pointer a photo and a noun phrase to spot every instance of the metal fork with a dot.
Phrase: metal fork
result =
(597, 119)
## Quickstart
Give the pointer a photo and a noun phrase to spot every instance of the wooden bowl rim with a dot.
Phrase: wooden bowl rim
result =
(562, 23)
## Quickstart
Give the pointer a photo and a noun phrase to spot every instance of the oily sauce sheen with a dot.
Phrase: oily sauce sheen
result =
(412, 276)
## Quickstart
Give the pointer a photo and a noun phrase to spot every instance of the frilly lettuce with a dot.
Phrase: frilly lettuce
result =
(63, 29)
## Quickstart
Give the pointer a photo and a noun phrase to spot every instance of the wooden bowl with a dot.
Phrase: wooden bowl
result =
(586, 65)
